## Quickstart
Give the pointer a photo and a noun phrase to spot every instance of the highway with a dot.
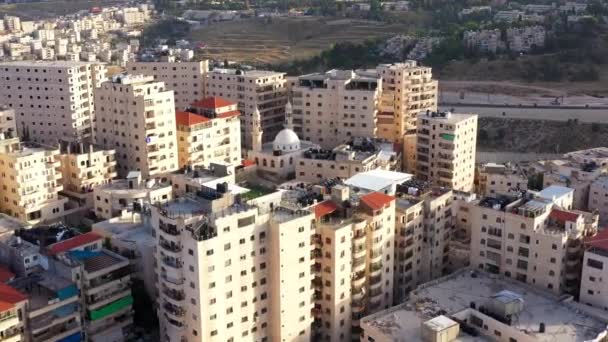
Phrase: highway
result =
(557, 113)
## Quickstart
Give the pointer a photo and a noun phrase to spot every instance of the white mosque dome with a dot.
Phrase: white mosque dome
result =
(287, 140)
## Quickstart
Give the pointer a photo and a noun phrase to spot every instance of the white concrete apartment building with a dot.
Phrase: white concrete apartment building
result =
(85, 167)
(499, 179)
(209, 131)
(251, 89)
(185, 79)
(137, 119)
(131, 193)
(333, 107)
(230, 271)
(594, 276)
(354, 261)
(346, 160)
(471, 305)
(530, 239)
(407, 89)
(31, 181)
(52, 100)
(423, 231)
(13, 304)
(524, 39)
(446, 145)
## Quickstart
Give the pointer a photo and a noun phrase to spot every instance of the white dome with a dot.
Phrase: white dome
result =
(286, 140)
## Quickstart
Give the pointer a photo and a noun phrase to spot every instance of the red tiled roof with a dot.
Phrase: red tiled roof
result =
(247, 162)
(563, 216)
(5, 274)
(212, 103)
(75, 242)
(325, 208)
(229, 114)
(9, 297)
(599, 240)
(377, 200)
(189, 119)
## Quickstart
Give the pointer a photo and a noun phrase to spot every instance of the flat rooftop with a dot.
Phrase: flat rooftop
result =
(102, 261)
(121, 186)
(445, 117)
(246, 73)
(452, 294)
(47, 64)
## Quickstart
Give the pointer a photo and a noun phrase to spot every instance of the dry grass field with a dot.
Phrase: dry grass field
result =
(283, 39)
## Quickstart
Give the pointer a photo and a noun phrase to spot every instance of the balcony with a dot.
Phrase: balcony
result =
(172, 262)
(174, 310)
(169, 229)
(170, 246)
(174, 295)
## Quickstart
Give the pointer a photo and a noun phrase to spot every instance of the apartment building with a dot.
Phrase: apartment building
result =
(208, 131)
(525, 39)
(130, 193)
(483, 41)
(499, 179)
(576, 170)
(407, 89)
(13, 304)
(251, 90)
(445, 146)
(530, 239)
(595, 264)
(354, 261)
(52, 100)
(334, 107)
(137, 119)
(346, 160)
(31, 179)
(473, 305)
(84, 167)
(233, 271)
(53, 311)
(423, 230)
(104, 280)
(185, 79)
(7, 123)
(598, 198)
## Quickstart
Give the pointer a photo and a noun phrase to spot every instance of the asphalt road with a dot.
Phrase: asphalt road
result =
(599, 115)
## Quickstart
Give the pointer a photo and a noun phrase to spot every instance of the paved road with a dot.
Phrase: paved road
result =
(557, 113)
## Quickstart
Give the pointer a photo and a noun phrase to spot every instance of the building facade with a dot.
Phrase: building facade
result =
(52, 100)
(251, 90)
(334, 107)
(137, 119)
(209, 131)
(595, 269)
(446, 145)
(185, 79)
(85, 167)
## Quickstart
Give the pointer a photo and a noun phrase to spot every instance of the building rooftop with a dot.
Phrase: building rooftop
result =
(376, 180)
(9, 296)
(376, 200)
(42, 288)
(121, 186)
(102, 260)
(246, 73)
(5, 274)
(75, 242)
(213, 103)
(357, 149)
(47, 64)
(458, 295)
(446, 117)
(554, 192)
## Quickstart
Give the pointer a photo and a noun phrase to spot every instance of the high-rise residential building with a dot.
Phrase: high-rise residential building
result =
(251, 90)
(131, 193)
(595, 270)
(7, 123)
(499, 179)
(354, 261)
(208, 131)
(472, 305)
(137, 119)
(84, 167)
(185, 79)
(334, 107)
(407, 90)
(445, 147)
(52, 100)
(530, 238)
(31, 179)
(233, 271)
(423, 229)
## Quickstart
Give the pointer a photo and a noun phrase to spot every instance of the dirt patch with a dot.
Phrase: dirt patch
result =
(541, 136)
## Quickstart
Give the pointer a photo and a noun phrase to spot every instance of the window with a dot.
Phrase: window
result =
(595, 264)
